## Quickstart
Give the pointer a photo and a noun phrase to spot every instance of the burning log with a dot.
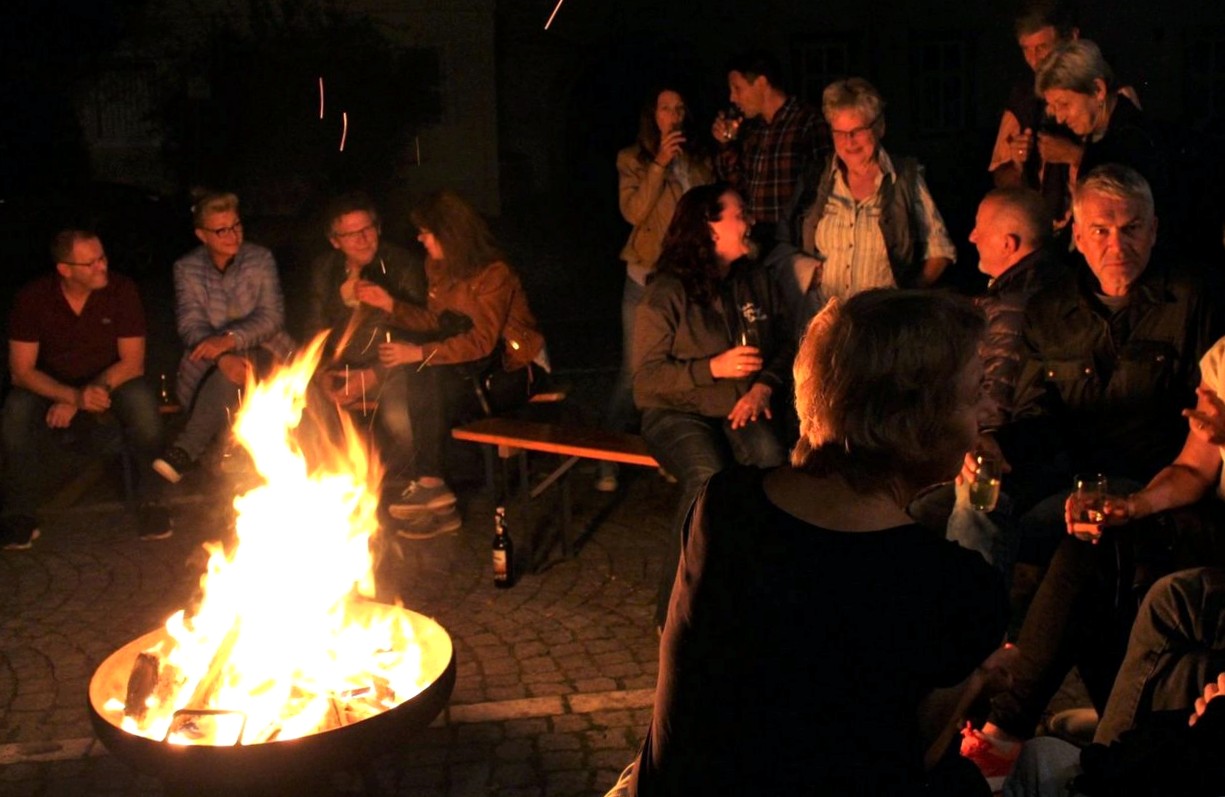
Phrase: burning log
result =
(142, 683)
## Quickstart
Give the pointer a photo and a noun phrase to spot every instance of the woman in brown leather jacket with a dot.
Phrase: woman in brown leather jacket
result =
(489, 345)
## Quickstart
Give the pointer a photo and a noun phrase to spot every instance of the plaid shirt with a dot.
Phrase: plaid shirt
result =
(766, 162)
(245, 299)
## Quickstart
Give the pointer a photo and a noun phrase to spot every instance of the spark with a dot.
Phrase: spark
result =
(383, 266)
(389, 336)
(362, 373)
(346, 379)
(344, 131)
(426, 361)
(366, 348)
(321, 96)
(556, 8)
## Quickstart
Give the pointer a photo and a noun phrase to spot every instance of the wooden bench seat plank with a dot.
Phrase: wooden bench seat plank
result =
(573, 441)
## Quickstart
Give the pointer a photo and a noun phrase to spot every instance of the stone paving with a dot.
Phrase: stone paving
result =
(555, 676)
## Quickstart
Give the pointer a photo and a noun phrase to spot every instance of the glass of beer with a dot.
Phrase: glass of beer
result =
(985, 488)
(1088, 506)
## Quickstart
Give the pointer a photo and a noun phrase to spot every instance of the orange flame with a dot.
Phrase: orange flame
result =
(282, 633)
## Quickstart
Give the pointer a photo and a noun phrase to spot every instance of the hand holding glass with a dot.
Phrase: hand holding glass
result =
(985, 486)
(1087, 507)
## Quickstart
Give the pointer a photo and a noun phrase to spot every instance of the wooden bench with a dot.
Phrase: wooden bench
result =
(513, 437)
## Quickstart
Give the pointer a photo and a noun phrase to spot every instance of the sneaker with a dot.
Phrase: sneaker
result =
(995, 758)
(418, 499)
(428, 525)
(154, 523)
(18, 533)
(172, 464)
(606, 482)
(1075, 725)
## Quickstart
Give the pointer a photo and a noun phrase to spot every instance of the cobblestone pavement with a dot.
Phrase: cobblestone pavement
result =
(555, 676)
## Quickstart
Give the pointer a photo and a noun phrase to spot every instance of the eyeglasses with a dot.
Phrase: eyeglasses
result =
(100, 260)
(857, 134)
(349, 236)
(222, 232)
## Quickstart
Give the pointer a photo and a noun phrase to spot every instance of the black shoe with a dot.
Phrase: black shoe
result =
(18, 533)
(172, 464)
(154, 523)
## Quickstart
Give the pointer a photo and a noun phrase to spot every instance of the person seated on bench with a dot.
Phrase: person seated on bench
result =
(231, 316)
(819, 641)
(482, 363)
(76, 358)
(712, 353)
(352, 373)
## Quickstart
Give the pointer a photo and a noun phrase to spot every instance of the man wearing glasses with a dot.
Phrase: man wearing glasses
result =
(76, 358)
(353, 289)
(230, 314)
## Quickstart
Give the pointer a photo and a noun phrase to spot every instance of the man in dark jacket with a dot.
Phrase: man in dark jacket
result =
(1111, 356)
(363, 265)
(1011, 232)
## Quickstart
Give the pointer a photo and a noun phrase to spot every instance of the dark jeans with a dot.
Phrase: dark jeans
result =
(37, 458)
(214, 404)
(1083, 611)
(693, 448)
(442, 396)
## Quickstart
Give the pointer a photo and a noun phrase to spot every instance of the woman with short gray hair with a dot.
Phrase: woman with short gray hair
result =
(1081, 92)
(865, 220)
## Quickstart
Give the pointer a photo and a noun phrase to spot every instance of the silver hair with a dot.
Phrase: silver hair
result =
(854, 94)
(1116, 181)
(1074, 66)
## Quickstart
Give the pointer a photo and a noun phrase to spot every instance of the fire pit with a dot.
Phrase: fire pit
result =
(284, 668)
(238, 765)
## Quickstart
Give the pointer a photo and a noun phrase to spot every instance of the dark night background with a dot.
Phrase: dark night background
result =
(111, 110)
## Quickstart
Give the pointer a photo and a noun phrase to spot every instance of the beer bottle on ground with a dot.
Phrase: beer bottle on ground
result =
(503, 551)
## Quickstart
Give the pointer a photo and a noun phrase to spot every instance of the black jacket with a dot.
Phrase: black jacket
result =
(1102, 392)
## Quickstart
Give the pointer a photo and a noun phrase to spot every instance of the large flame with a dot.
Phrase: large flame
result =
(283, 633)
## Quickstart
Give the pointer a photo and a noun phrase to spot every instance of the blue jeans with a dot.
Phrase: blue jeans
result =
(392, 420)
(1176, 646)
(993, 534)
(37, 457)
(214, 404)
(620, 415)
(693, 448)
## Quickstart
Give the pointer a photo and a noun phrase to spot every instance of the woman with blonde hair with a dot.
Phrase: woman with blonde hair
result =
(818, 641)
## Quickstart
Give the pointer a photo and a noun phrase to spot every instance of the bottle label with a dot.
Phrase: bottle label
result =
(499, 564)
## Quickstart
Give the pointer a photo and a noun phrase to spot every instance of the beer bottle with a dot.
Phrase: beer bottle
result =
(503, 551)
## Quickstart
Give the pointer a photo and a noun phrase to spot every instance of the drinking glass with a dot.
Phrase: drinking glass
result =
(749, 335)
(1088, 506)
(985, 487)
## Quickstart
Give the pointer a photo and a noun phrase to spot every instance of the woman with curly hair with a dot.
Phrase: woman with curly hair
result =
(712, 352)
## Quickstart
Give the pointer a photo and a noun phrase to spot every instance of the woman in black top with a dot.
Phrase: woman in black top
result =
(816, 636)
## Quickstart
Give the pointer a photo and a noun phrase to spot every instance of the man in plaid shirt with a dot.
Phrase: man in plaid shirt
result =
(765, 157)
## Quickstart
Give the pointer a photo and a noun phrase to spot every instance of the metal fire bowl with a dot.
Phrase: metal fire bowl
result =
(241, 767)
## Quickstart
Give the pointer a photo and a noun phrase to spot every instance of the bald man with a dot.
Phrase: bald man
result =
(1010, 232)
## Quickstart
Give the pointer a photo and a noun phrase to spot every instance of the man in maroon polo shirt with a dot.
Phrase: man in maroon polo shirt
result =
(76, 358)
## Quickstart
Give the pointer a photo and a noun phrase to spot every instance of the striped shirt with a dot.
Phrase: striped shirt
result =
(766, 163)
(850, 241)
(244, 300)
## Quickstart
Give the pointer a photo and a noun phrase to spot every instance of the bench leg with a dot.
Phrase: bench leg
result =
(487, 455)
(566, 516)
